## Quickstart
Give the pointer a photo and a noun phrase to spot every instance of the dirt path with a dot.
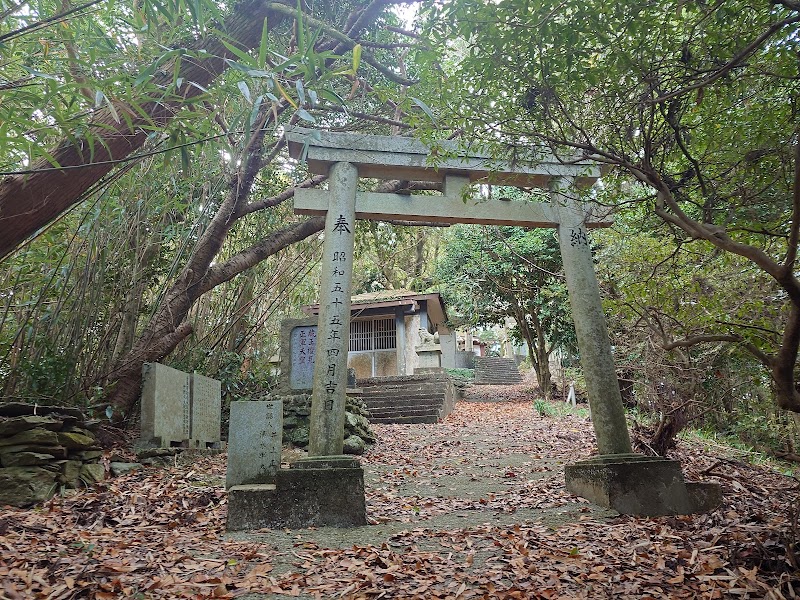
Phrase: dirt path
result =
(485, 466)
(470, 508)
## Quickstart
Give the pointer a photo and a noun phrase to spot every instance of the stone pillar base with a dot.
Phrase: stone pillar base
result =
(633, 484)
(315, 492)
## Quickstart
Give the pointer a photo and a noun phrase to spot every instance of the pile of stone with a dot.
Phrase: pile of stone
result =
(44, 449)
(297, 408)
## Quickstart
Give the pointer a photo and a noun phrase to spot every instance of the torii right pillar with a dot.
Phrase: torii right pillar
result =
(605, 400)
(619, 479)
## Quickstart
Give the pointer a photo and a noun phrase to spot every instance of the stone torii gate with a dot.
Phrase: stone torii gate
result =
(332, 483)
(345, 157)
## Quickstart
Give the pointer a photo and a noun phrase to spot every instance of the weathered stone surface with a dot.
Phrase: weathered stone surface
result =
(597, 361)
(34, 456)
(336, 461)
(70, 471)
(291, 422)
(330, 369)
(86, 455)
(37, 436)
(357, 424)
(75, 440)
(639, 485)
(57, 451)
(393, 157)
(300, 498)
(289, 380)
(206, 411)
(122, 468)
(302, 346)
(25, 459)
(92, 473)
(354, 445)
(704, 497)
(166, 405)
(16, 409)
(25, 486)
(254, 442)
(82, 430)
(153, 452)
(14, 425)
(296, 410)
(297, 436)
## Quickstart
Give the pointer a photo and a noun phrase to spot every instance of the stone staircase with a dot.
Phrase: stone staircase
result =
(424, 398)
(490, 370)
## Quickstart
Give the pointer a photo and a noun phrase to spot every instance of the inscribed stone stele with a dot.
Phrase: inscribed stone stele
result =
(303, 343)
(165, 405)
(206, 411)
(254, 442)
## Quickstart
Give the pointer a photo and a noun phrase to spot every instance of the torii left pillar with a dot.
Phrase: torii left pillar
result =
(327, 488)
(326, 436)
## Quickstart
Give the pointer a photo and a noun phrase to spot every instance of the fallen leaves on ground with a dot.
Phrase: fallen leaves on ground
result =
(159, 533)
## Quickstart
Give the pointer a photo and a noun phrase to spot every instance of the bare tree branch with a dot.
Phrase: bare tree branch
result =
(700, 339)
(732, 63)
(282, 197)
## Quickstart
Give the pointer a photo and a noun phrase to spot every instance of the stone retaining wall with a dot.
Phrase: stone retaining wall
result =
(45, 449)
(297, 408)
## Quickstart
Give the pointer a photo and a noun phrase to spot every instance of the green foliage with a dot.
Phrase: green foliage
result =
(695, 105)
(488, 275)
(394, 257)
(543, 408)
(243, 377)
(80, 296)
(462, 374)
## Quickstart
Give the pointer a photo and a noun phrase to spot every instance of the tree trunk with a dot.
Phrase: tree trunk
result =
(535, 339)
(168, 327)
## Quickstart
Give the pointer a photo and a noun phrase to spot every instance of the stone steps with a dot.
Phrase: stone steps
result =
(390, 401)
(409, 399)
(420, 411)
(415, 420)
(492, 370)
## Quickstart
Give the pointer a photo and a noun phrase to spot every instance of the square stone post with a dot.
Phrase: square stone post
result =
(605, 400)
(326, 435)
(400, 333)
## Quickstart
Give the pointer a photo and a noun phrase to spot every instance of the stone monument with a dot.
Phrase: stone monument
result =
(179, 409)
(166, 406)
(298, 349)
(206, 411)
(254, 442)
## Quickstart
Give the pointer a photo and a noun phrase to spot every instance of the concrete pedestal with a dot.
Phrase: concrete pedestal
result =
(633, 484)
(315, 492)
(429, 357)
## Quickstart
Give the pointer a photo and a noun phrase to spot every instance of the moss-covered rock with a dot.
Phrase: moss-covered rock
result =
(43, 450)
(76, 440)
(296, 411)
(92, 473)
(25, 459)
(36, 436)
(26, 486)
(354, 445)
(12, 426)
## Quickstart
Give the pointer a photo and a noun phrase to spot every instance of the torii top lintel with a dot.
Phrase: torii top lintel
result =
(392, 157)
(385, 157)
